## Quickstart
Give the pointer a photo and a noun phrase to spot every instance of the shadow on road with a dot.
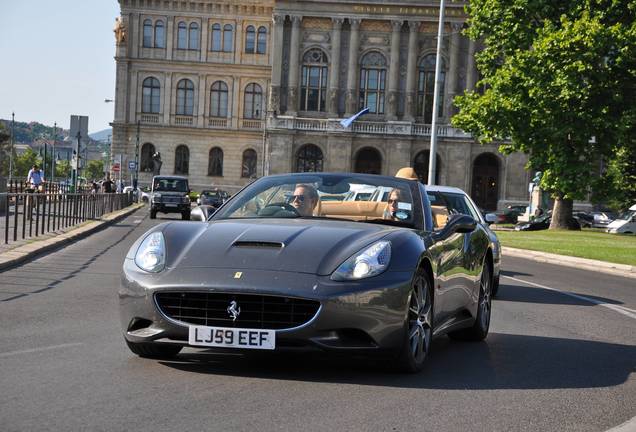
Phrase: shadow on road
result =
(505, 361)
(511, 291)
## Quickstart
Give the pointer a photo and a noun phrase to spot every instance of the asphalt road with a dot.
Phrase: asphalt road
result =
(552, 362)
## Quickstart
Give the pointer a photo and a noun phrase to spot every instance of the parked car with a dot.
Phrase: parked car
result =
(602, 219)
(275, 269)
(169, 194)
(139, 194)
(586, 220)
(625, 223)
(539, 223)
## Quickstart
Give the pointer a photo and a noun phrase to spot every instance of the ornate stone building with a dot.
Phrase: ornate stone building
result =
(230, 90)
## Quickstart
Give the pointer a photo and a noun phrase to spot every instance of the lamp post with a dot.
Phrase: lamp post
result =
(136, 178)
(433, 152)
(53, 153)
(11, 148)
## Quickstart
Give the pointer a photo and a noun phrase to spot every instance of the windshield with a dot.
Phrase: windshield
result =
(170, 185)
(627, 215)
(301, 196)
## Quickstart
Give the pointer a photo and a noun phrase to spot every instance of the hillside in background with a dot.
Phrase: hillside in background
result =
(27, 133)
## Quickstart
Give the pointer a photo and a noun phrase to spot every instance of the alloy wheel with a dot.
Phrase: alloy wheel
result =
(420, 317)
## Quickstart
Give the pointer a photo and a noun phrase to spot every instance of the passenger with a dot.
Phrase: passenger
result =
(305, 199)
(392, 205)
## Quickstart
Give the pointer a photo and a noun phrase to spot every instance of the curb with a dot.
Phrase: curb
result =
(623, 270)
(29, 251)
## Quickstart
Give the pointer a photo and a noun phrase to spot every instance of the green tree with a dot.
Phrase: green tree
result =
(94, 170)
(558, 83)
(25, 161)
(63, 169)
(5, 144)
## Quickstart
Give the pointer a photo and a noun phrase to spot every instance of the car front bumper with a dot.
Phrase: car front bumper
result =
(361, 316)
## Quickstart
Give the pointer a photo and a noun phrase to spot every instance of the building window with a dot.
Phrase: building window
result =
(218, 99)
(216, 38)
(228, 38)
(215, 162)
(252, 101)
(182, 36)
(148, 36)
(249, 163)
(425, 88)
(193, 37)
(261, 46)
(309, 159)
(185, 97)
(368, 161)
(160, 35)
(314, 81)
(181, 160)
(146, 164)
(151, 96)
(250, 36)
(372, 82)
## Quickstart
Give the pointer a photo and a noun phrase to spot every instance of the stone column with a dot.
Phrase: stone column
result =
(334, 69)
(200, 109)
(352, 72)
(292, 91)
(205, 40)
(411, 69)
(453, 72)
(133, 33)
(166, 93)
(169, 37)
(394, 69)
(471, 69)
(273, 105)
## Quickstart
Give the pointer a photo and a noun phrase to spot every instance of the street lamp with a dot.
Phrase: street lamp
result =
(432, 161)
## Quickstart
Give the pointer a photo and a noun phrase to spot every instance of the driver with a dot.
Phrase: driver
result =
(392, 204)
(305, 199)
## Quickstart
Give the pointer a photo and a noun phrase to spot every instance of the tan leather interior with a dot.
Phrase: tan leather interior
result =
(354, 210)
(440, 216)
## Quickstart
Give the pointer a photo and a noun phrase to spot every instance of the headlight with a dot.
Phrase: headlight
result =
(185, 200)
(151, 255)
(369, 262)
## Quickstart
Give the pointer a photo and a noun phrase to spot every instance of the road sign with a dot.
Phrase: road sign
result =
(115, 167)
(132, 166)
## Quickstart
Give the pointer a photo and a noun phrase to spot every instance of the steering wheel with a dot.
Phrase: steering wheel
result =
(274, 209)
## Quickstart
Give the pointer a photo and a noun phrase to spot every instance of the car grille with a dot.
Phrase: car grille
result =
(171, 199)
(256, 311)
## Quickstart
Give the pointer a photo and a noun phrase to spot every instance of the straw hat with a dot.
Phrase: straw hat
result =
(407, 173)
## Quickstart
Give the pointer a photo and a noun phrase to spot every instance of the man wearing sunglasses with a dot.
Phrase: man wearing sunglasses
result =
(304, 200)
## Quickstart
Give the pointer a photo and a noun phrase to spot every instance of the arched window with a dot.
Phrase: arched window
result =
(215, 162)
(261, 46)
(182, 36)
(485, 187)
(193, 37)
(215, 44)
(250, 36)
(181, 160)
(313, 89)
(146, 164)
(425, 88)
(151, 96)
(147, 33)
(420, 165)
(309, 159)
(185, 97)
(160, 35)
(218, 99)
(252, 101)
(249, 163)
(228, 38)
(368, 161)
(372, 82)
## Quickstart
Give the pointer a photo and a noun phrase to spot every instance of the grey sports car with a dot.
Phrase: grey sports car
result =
(276, 267)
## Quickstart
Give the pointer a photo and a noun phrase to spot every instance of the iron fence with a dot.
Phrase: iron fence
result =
(28, 215)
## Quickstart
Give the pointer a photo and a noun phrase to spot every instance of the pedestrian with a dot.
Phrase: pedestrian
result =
(95, 187)
(108, 185)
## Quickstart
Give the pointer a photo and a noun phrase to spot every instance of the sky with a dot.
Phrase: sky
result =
(56, 59)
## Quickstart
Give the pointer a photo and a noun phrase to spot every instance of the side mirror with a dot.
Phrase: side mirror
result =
(202, 213)
(490, 218)
(460, 223)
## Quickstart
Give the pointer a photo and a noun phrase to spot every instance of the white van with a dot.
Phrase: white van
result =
(625, 223)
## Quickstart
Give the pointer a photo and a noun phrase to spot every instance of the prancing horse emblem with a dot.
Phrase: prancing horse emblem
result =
(234, 310)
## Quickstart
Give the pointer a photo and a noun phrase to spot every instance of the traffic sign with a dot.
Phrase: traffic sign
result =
(115, 167)
(132, 166)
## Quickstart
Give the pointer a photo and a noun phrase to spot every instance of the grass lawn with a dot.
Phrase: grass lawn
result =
(596, 245)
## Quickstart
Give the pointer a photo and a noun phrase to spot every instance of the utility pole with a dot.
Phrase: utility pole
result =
(53, 153)
(11, 148)
(432, 161)
(136, 175)
(77, 158)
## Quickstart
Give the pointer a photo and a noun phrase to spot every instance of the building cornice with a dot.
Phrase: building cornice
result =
(245, 8)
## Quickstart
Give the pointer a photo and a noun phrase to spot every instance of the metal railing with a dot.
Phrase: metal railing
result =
(28, 215)
(19, 186)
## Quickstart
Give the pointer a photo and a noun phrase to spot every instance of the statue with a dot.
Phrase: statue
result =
(120, 31)
(156, 164)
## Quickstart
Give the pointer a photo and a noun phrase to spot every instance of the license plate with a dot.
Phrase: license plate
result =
(232, 337)
(170, 205)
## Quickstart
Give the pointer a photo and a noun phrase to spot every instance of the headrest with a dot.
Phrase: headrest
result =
(407, 173)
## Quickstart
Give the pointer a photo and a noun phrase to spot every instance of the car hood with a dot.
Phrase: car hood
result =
(617, 223)
(298, 245)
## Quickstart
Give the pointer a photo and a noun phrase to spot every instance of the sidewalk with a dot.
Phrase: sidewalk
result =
(568, 261)
(25, 250)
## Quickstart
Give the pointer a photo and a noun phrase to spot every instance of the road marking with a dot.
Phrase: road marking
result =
(28, 351)
(138, 221)
(628, 426)
(631, 313)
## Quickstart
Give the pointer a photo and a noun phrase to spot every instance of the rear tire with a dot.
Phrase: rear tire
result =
(185, 215)
(479, 330)
(150, 350)
(418, 332)
(153, 214)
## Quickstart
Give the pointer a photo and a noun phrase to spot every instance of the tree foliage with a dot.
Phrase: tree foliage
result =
(558, 83)
(94, 170)
(5, 148)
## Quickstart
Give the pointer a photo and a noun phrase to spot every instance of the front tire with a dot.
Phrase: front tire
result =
(419, 326)
(479, 330)
(185, 215)
(156, 351)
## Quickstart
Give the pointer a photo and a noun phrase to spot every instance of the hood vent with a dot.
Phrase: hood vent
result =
(259, 244)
